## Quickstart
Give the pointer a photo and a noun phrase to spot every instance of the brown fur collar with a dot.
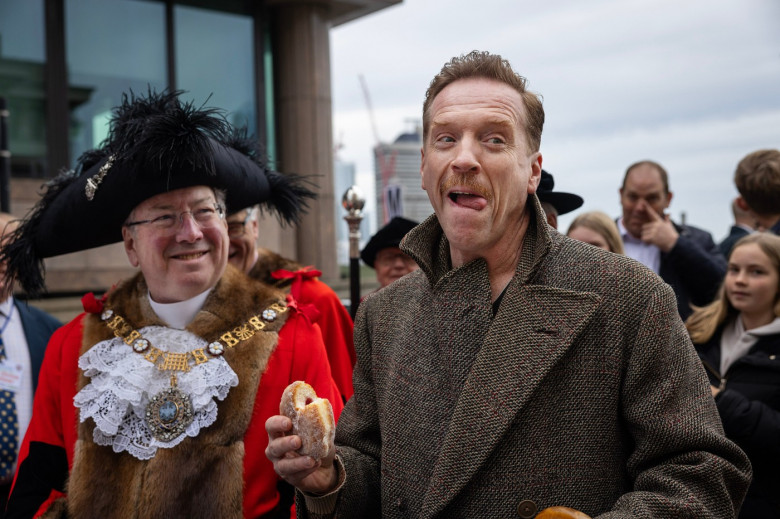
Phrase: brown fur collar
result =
(202, 476)
(269, 262)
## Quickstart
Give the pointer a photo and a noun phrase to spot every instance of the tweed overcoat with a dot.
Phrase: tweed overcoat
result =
(583, 390)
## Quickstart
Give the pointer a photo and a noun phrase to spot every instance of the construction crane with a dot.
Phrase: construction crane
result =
(385, 162)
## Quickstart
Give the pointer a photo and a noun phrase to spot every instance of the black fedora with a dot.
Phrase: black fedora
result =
(388, 236)
(562, 202)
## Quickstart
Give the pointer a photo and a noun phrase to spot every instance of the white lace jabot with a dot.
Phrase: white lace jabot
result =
(123, 381)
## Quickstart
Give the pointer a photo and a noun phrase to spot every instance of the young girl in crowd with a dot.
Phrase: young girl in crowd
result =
(597, 229)
(738, 339)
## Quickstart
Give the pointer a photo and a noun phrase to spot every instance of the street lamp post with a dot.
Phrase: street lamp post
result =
(353, 201)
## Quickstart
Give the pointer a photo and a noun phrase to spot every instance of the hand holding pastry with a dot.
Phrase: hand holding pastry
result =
(294, 441)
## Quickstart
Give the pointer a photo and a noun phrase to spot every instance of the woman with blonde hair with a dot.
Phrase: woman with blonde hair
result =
(738, 339)
(597, 229)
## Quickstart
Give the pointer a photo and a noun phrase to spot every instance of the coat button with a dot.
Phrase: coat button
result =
(400, 504)
(526, 509)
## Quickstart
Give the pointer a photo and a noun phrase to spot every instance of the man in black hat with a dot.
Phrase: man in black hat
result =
(555, 203)
(382, 254)
(153, 401)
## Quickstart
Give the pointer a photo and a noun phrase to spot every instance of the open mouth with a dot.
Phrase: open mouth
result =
(468, 200)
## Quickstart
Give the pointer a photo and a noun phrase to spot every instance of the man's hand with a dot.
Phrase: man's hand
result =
(659, 231)
(302, 472)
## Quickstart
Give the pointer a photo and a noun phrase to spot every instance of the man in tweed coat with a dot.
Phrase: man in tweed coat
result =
(517, 369)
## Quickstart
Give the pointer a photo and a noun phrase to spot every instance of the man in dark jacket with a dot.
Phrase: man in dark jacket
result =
(686, 257)
(24, 333)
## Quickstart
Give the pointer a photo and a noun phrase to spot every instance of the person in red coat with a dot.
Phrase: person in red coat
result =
(303, 284)
(152, 403)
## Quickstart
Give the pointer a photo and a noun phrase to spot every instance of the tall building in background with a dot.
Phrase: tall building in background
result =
(397, 172)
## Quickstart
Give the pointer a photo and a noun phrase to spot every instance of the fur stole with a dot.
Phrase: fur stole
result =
(269, 262)
(202, 476)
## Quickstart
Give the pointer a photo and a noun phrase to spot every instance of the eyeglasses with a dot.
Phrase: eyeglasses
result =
(236, 229)
(387, 258)
(205, 217)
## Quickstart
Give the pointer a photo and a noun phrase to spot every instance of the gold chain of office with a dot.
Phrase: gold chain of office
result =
(172, 361)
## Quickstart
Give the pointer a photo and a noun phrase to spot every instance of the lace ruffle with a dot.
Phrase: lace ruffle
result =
(123, 381)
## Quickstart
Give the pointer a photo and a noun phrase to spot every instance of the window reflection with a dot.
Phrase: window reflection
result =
(214, 57)
(113, 46)
(22, 57)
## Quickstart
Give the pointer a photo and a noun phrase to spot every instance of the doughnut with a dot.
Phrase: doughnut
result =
(312, 419)
(561, 512)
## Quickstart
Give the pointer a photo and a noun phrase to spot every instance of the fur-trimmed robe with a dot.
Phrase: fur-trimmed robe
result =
(222, 472)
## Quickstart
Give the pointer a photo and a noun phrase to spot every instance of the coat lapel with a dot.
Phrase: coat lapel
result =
(532, 331)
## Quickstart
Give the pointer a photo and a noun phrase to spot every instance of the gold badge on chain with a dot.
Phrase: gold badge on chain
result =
(169, 413)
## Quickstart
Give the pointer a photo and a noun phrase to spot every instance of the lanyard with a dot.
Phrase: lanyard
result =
(7, 320)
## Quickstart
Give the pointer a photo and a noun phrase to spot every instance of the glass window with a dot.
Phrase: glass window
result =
(215, 62)
(22, 57)
(113, 46)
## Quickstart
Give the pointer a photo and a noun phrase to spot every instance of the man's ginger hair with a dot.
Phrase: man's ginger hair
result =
(483, 65)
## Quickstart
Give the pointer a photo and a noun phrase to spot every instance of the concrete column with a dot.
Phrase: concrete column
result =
(304, 129)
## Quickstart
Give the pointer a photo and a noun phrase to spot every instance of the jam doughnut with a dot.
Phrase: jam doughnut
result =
(561, 512)
(312, 419)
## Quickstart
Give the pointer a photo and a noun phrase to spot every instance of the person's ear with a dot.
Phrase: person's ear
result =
(422, 168)
(130, 250)
(536, 173)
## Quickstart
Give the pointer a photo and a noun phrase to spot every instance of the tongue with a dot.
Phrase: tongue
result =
(471, 201)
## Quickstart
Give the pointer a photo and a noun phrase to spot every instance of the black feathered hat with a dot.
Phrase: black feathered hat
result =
(388, 236)
(562, 202)
(155, 144)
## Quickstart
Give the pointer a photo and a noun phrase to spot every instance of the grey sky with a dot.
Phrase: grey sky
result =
(692, 84)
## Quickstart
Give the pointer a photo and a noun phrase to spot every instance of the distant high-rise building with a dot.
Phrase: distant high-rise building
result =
(397, 171)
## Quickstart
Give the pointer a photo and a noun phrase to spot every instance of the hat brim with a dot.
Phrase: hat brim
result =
(388, 236)
(562, 202)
